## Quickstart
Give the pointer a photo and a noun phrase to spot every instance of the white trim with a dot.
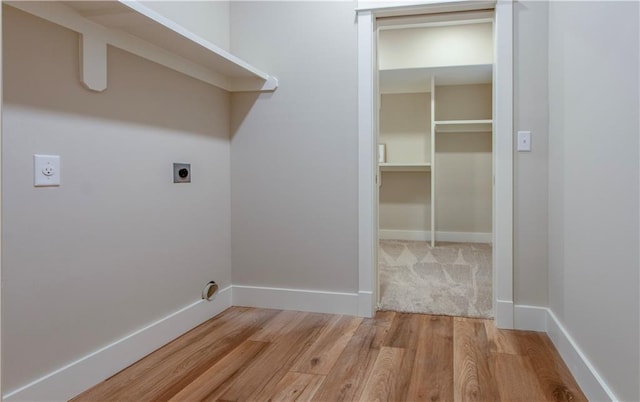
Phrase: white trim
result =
(299, 299)
(72, 379)
(1, 198)
(367, 148)
(503, 162)
(504, 311)
(366, 302)
(534, 318)
(425, 235)
(395, 8)
(530, 318)
(588, 378)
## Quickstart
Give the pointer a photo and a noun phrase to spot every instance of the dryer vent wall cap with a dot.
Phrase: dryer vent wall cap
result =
(210, 291)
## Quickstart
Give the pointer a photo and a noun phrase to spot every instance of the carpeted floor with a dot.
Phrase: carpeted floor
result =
(449, 279)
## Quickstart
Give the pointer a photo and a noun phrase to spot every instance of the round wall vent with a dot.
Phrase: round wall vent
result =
(210, 291)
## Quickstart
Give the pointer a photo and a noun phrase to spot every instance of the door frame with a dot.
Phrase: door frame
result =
(502, 148)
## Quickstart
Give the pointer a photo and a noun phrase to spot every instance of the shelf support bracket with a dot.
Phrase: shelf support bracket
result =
(93, 62)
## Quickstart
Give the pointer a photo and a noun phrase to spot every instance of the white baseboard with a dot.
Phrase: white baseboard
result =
(542, 319)
(425, 235)
(366, 304)
(504, 314)
(297, 299)
(530, 318)
(74, 378)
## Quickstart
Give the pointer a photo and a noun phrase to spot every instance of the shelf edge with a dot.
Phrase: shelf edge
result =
(462, 122)
(405, 167)
(94, 72)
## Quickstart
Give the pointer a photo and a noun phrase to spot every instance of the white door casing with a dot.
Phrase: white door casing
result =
(502, 148)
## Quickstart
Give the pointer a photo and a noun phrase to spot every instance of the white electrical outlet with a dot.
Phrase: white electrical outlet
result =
(46, 170)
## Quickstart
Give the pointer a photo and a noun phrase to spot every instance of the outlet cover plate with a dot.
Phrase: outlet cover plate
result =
(179, 173)
(46, 170)
(524, 141)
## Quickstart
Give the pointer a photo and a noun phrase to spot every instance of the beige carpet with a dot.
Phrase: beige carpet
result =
(449, 279)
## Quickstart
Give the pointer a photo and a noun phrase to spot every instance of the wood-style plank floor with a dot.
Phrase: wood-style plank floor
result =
(249, 354)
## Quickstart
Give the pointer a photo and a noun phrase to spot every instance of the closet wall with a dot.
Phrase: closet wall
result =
(435, 122)
(463, 160)
(405, 196)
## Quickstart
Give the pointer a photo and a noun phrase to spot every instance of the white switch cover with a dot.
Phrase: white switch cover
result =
(46, 170)
(524, 141)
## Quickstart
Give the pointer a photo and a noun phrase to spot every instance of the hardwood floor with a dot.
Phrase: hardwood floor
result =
(248, 354)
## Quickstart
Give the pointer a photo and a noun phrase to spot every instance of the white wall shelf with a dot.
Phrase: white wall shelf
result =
(133, 27)
(463, 126)
(405, 167)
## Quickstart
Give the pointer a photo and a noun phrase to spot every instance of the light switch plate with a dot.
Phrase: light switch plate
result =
(524, 141)
(46, 170)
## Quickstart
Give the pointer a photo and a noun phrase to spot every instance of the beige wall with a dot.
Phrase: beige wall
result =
(463, 102)
(594, 184)
(531, 113)
(117, 246)
(405, 127)
(208, 19)
(436, 46)
(405, 201)
(463, 182)
(294, 152)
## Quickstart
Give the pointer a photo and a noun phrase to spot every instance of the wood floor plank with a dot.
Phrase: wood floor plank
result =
(248, 354)
(298, 387)
(472, 378)
(166, 371)
(260, 379)
(404, 331)
(432, 376)
(403, 376)
(552, 373)
(285, 322)
(383, 321)
(516, 382)
(385, 318)
(223, 371)
(381, 384)
(501, 340)
(346, 380)
(322, 355)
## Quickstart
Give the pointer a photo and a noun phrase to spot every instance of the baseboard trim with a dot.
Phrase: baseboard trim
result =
(366, 304)
(530, 318)
(504, 314)
(74, 378)
(297, 299)
(425, 235)
(534, 318)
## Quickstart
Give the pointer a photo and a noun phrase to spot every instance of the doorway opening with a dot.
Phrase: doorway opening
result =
(501, 232)
(435, 129)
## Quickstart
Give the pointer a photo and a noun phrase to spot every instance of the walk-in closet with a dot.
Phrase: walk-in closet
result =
(435, 164)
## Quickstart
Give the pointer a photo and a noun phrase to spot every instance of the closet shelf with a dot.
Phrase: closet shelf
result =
(412, 80)
(463, 126)
(405, 167)
(135, 28)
